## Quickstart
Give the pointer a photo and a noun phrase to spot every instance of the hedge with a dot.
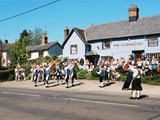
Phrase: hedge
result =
(6, 75)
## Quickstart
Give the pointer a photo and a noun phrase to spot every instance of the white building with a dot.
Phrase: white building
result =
(4, 49)
(45, 49)
(136, 36)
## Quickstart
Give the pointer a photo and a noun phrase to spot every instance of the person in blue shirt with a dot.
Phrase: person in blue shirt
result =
(73, 73)
(35, 75)
(58, 73)
(101, 74)
(107, 75)
(46, 73)
(67, 73)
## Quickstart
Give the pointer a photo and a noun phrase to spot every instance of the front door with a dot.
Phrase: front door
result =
(137, 55)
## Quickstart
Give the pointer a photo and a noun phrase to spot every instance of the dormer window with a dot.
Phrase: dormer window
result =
(153, 41)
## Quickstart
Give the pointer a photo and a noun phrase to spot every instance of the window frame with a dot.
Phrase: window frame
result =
(156, 55)
(153, 41)
(72, 51)
(106, 44)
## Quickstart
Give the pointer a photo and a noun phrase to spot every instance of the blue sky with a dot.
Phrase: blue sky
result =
(66, 13)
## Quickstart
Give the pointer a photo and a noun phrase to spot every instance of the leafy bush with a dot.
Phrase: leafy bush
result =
(123, 77)
(152, 80)
(6, 75)
(76, 68)
(82, 74)
(27, 67)
(3, 68)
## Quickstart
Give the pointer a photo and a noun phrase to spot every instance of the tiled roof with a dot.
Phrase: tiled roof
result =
(81, 33)
(6, 46)
(143, 26)
(41, 47)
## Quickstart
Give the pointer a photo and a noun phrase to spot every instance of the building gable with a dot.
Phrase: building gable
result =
(74, 47)
(80, 34)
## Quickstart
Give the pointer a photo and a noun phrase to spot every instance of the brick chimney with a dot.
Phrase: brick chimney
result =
(133, 13)
(66, 33)
(44, 38)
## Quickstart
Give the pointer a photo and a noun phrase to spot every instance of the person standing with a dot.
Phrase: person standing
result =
(101, 74)
(139, 63)
(47, 73)
(136, 83)
(58, 74)
(34, 75)
(67, 73)
(74, 73)
(106, 77)
(22, 73)
(17, 73)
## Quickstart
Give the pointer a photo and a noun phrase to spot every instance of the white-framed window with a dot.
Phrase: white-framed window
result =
(106, 44)
(153, 41)
(73, 49)
(156, 55)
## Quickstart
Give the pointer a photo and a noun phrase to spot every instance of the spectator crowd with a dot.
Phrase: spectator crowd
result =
(107, 70)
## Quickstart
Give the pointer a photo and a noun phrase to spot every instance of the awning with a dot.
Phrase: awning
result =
(91, 53)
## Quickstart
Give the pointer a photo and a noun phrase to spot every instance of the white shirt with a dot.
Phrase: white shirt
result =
(136, 72)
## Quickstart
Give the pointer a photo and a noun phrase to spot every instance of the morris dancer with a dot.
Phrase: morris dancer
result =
(129, 76)
(74, 74)
(107, 75)
(46, 72)
(136, 82)
(34, 75)
(67, 73)
(101, 73)
(58, 72)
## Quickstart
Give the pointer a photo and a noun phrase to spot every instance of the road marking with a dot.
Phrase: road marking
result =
(100, 102)
(32, 95)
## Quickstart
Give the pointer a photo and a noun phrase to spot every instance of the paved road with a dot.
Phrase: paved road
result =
(85, 86)
(49, 104)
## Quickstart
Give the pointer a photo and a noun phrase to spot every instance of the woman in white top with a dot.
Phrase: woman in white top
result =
(136, 82)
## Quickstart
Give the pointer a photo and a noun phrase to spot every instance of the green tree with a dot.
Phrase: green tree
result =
(19, 55)
(18, 50)
(36, 36)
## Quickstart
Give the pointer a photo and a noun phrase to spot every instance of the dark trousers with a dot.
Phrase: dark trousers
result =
(106, 77)
(100, 79)
(66, 79)
(74, 77)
